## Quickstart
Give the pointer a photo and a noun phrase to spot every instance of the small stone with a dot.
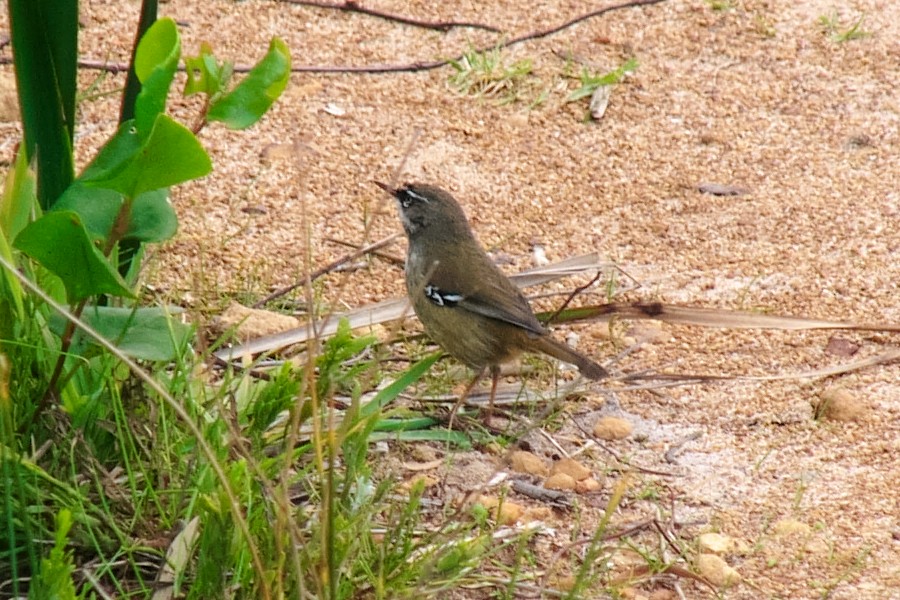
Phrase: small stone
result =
(715, 543)
(560, 481)
(817, 546)
(837, 403)
(662, 594)
(600, 333)
(587, 486)
(506, 512)
(838, 346)
(648, 332)
(526, 462)
(790, 527)
(519, 119)
(425, 480)
(572, 467)
(718, 189)
(716, 570)
(509, 513)
(423, 453)
(564, 583)
(273, 153)
(335, 110)
(537, 513)
(381, 333)
(251, 323)
(612, 428)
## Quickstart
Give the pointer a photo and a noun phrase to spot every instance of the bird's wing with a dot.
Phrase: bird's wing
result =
(492, 295)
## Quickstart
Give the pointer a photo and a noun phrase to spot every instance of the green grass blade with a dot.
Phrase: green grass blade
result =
(408, 378)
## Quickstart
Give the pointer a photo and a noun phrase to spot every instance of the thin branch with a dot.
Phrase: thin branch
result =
(382, 255)
(572, 296)
(393, 68)
(327, 269)
(352, 6)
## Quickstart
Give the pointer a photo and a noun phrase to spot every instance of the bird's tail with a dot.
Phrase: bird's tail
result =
(586, 366)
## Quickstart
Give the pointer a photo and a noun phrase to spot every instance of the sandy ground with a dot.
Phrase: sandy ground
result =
(755, 96)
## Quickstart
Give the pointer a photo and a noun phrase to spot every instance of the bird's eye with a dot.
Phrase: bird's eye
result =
(407, 197)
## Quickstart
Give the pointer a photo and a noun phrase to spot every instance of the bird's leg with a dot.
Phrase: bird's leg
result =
(464, 395)
(495, 376)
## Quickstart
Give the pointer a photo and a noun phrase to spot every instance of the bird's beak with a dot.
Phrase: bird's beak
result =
(386, 188)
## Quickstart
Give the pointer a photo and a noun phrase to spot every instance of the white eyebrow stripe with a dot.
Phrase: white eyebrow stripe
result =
(416, 196)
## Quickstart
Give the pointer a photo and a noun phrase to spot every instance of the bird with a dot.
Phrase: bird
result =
(464, 301)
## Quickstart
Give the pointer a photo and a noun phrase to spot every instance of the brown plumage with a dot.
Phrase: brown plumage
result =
(466, 304)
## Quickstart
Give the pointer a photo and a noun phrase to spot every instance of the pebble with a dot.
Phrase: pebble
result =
(526, 462)
(787, 527)
(715, 543)
(560, 481)
(716, 570)
(612, 428)
(837, 403)
(571, 467)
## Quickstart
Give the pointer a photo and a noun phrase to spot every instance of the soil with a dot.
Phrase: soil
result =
(752, 94)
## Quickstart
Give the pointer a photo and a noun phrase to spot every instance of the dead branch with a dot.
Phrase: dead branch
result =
(115, 67)
(352, 6)
(327, 269)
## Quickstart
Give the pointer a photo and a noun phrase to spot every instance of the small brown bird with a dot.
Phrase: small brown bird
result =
(466, 304)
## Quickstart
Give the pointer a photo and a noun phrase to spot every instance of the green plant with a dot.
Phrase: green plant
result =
(720, 5)
(763, 26)
(60, 241)
(599, 88)
(486, 74)
(590, 81)
(838, 33)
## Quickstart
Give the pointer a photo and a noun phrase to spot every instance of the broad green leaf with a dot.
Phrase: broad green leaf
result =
(248, 102)
(114, 158)
(128, 164)
(153, 333)
(97, 208)
(60, 243)
(152, 217)
(155, 64)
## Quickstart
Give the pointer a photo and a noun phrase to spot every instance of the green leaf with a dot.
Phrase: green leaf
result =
(409, 377)
(590, 83)
(114, 158)
(248, 102)
(442, 436)
(155, 64)
(205, 75)
(44, 36)
(19, 199)
(152, 217)
(16, 205)
(54, 579)
(60, 243)
(129, 165)
(153, 333)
